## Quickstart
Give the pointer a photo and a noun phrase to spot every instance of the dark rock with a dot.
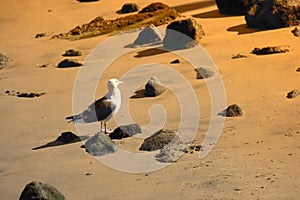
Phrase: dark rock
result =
(72, 52)
(298, 69)
(129, 8)
(296, 31)
(39, 35)
(40, 191)
(192, 148)
(183, 34)
(100, 144)
(4, 60)
(153, 7)
(231, 7)
(149, 35)
(69, 63)
(203, 73)
(293, 94)
(269, 50)
(236, 56)
(30, 95)
(154, 87)
(67, 137)
(232, 111)
(125, 131)
(158, 140)
(176, 61)
(271, 14)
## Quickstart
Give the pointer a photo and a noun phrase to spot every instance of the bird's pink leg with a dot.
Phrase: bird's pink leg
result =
(105, 131)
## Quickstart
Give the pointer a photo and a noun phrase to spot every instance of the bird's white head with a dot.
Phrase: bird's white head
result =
(113, 83)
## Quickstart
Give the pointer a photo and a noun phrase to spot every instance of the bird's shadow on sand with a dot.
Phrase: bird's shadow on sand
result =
(242, 29)
(64, 139)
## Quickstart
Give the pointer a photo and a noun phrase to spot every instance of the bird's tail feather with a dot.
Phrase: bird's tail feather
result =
(73, 118)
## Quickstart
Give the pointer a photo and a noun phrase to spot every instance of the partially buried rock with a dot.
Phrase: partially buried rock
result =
(154, 87)
(40, 191)
(203, 73)
(72, 52)
(30, 95)
(271, 14)
(293, 94)
(149, 35)
(125, 131)
(296, 31)
(67, 137)
(236, 56)
(158, 140)
(4, 60)
(232, 111)
(231, 7)
(100, 144)
(270, 50)
(183, 34)
(69, 63)
(129, 8)
(39, 35)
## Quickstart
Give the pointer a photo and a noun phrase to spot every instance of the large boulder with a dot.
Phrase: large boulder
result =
(183, 34)
(158, 140)
(231, 7)
(40, 191)
(125, 131)
(148, 36)
(129, 8)
(154, 87)
(272, 14)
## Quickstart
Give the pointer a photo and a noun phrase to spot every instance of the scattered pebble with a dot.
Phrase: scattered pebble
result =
(236, 56)
(39, 35)
(296, 31)
(298, 69)
(72, 52)
(292, 94)
(69, 63)
(270, 50)
(24, 94)
(176, 61)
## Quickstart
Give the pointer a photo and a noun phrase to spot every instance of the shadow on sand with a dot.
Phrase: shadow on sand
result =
(150, 52)
(211, 14)
(63, 139)
(138, 94)
(242, 29)
(193, 6)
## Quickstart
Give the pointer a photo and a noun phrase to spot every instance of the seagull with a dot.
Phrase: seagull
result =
(102, 109)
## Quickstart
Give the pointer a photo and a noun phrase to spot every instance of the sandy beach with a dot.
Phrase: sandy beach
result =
(256, 157)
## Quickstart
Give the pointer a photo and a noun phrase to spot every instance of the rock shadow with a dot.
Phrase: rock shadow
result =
(242, 29)
(150, 52)
(210, 14)
(63, 139)
(193, 6)
(138, 94)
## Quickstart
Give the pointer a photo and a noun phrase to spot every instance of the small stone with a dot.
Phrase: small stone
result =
(236, 56)
(69, 63)
(29, 95)
(129, 8)
(38, 190)
(293, 94)
(269, 50)
(232, 111)
(125, 131)
(72, 52)
(298, 69)
(176, 61)
(154, 87)
(158, 140)
(203, 73)
(296, 31)
(39, 35)
(100, 144)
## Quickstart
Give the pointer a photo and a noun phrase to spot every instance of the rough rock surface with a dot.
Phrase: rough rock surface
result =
(158, 140)
(154, 87)
(293, 94)
(269, 50)
(149, 35)
(72, 52)
(271, 14)
(182, 34)
(69, 63)
(155, 13)
(129, 8)
(40, 191)
(231, 7)
(232, 111)
(3, 60)
(125, 131)
(100, 144)
(203, 73)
